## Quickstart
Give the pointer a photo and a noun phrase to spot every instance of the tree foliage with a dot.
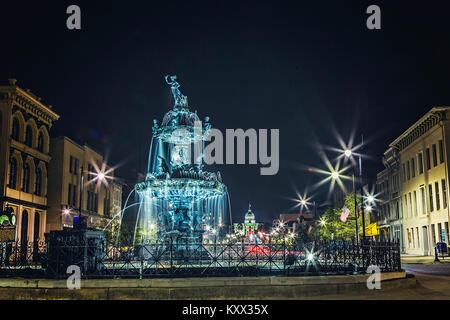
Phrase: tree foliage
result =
(334, 226)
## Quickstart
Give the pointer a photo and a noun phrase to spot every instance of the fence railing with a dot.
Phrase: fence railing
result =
(190, 259)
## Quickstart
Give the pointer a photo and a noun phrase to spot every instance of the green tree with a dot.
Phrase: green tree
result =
(334, 225)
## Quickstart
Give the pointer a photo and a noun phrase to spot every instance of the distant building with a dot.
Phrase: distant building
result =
(100, 201)
(25, 123)
(250, 226)
(389, 215)
(292, 221)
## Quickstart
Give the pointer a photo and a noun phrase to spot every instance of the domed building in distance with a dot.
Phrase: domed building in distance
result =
(249, 226)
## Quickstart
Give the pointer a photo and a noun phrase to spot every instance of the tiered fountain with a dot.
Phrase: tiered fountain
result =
(179, 200)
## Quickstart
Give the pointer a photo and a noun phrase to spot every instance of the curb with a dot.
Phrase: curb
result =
(264, 288)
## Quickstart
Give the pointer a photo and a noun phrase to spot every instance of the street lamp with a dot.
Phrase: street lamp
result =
(335, 175)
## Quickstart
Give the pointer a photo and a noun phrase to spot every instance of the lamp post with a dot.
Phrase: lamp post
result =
(81, 190)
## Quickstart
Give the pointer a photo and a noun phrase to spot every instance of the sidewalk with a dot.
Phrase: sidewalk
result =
(423, 259)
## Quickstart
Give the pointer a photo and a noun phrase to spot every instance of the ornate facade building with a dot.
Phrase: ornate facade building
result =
(424, 166)
(25, 123)
(101, 197)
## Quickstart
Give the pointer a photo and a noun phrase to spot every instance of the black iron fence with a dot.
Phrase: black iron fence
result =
(188, 259)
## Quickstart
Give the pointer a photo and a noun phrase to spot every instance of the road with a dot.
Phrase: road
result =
(428, 269)
(433, 283)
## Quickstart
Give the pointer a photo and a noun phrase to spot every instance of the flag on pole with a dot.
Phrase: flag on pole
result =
(309, 230)
(345, 214)
(358, 213)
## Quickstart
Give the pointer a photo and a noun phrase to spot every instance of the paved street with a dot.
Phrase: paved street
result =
(433, 283)
(428, 269)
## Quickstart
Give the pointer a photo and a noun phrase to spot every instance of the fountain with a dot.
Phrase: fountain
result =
(179, 200)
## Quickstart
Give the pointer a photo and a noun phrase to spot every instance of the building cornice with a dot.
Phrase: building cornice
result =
(418, 129)
(30, 103)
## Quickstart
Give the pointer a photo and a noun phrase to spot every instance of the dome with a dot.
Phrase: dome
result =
(249, 216)
(179, 117)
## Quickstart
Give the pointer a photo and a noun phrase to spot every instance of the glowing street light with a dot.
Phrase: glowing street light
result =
(334, 175)
(348, 153)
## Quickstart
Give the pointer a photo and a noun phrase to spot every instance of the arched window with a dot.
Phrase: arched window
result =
(15, 129)
(24, 228)
(38, 184)
(29, 136)
(13, 173)
(26, 178)
(40, 145)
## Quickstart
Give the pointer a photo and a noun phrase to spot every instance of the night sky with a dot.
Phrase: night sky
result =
(304, 67)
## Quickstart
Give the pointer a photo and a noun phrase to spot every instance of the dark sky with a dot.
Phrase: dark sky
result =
(301, 66)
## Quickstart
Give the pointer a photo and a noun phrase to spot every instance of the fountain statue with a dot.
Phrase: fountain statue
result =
(179, 200)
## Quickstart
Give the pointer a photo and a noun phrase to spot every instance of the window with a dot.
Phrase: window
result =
(410, 205)
(408, 176)
(415, 203)
(424, 200)
(434, 155)
(420, 163)
(439, 230)
(72, 195)
(15, 129)
(29, 136)
(26, 178)
(13, 173)
(413, 167)
(40, 145)
(430, 190)
(428, 159)
(38, 182)
(106, 206)
(441, 151)
(438, 200)
(92, 201)
(444, 194)
(73, 165)
(404, 173)
(413, 241)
